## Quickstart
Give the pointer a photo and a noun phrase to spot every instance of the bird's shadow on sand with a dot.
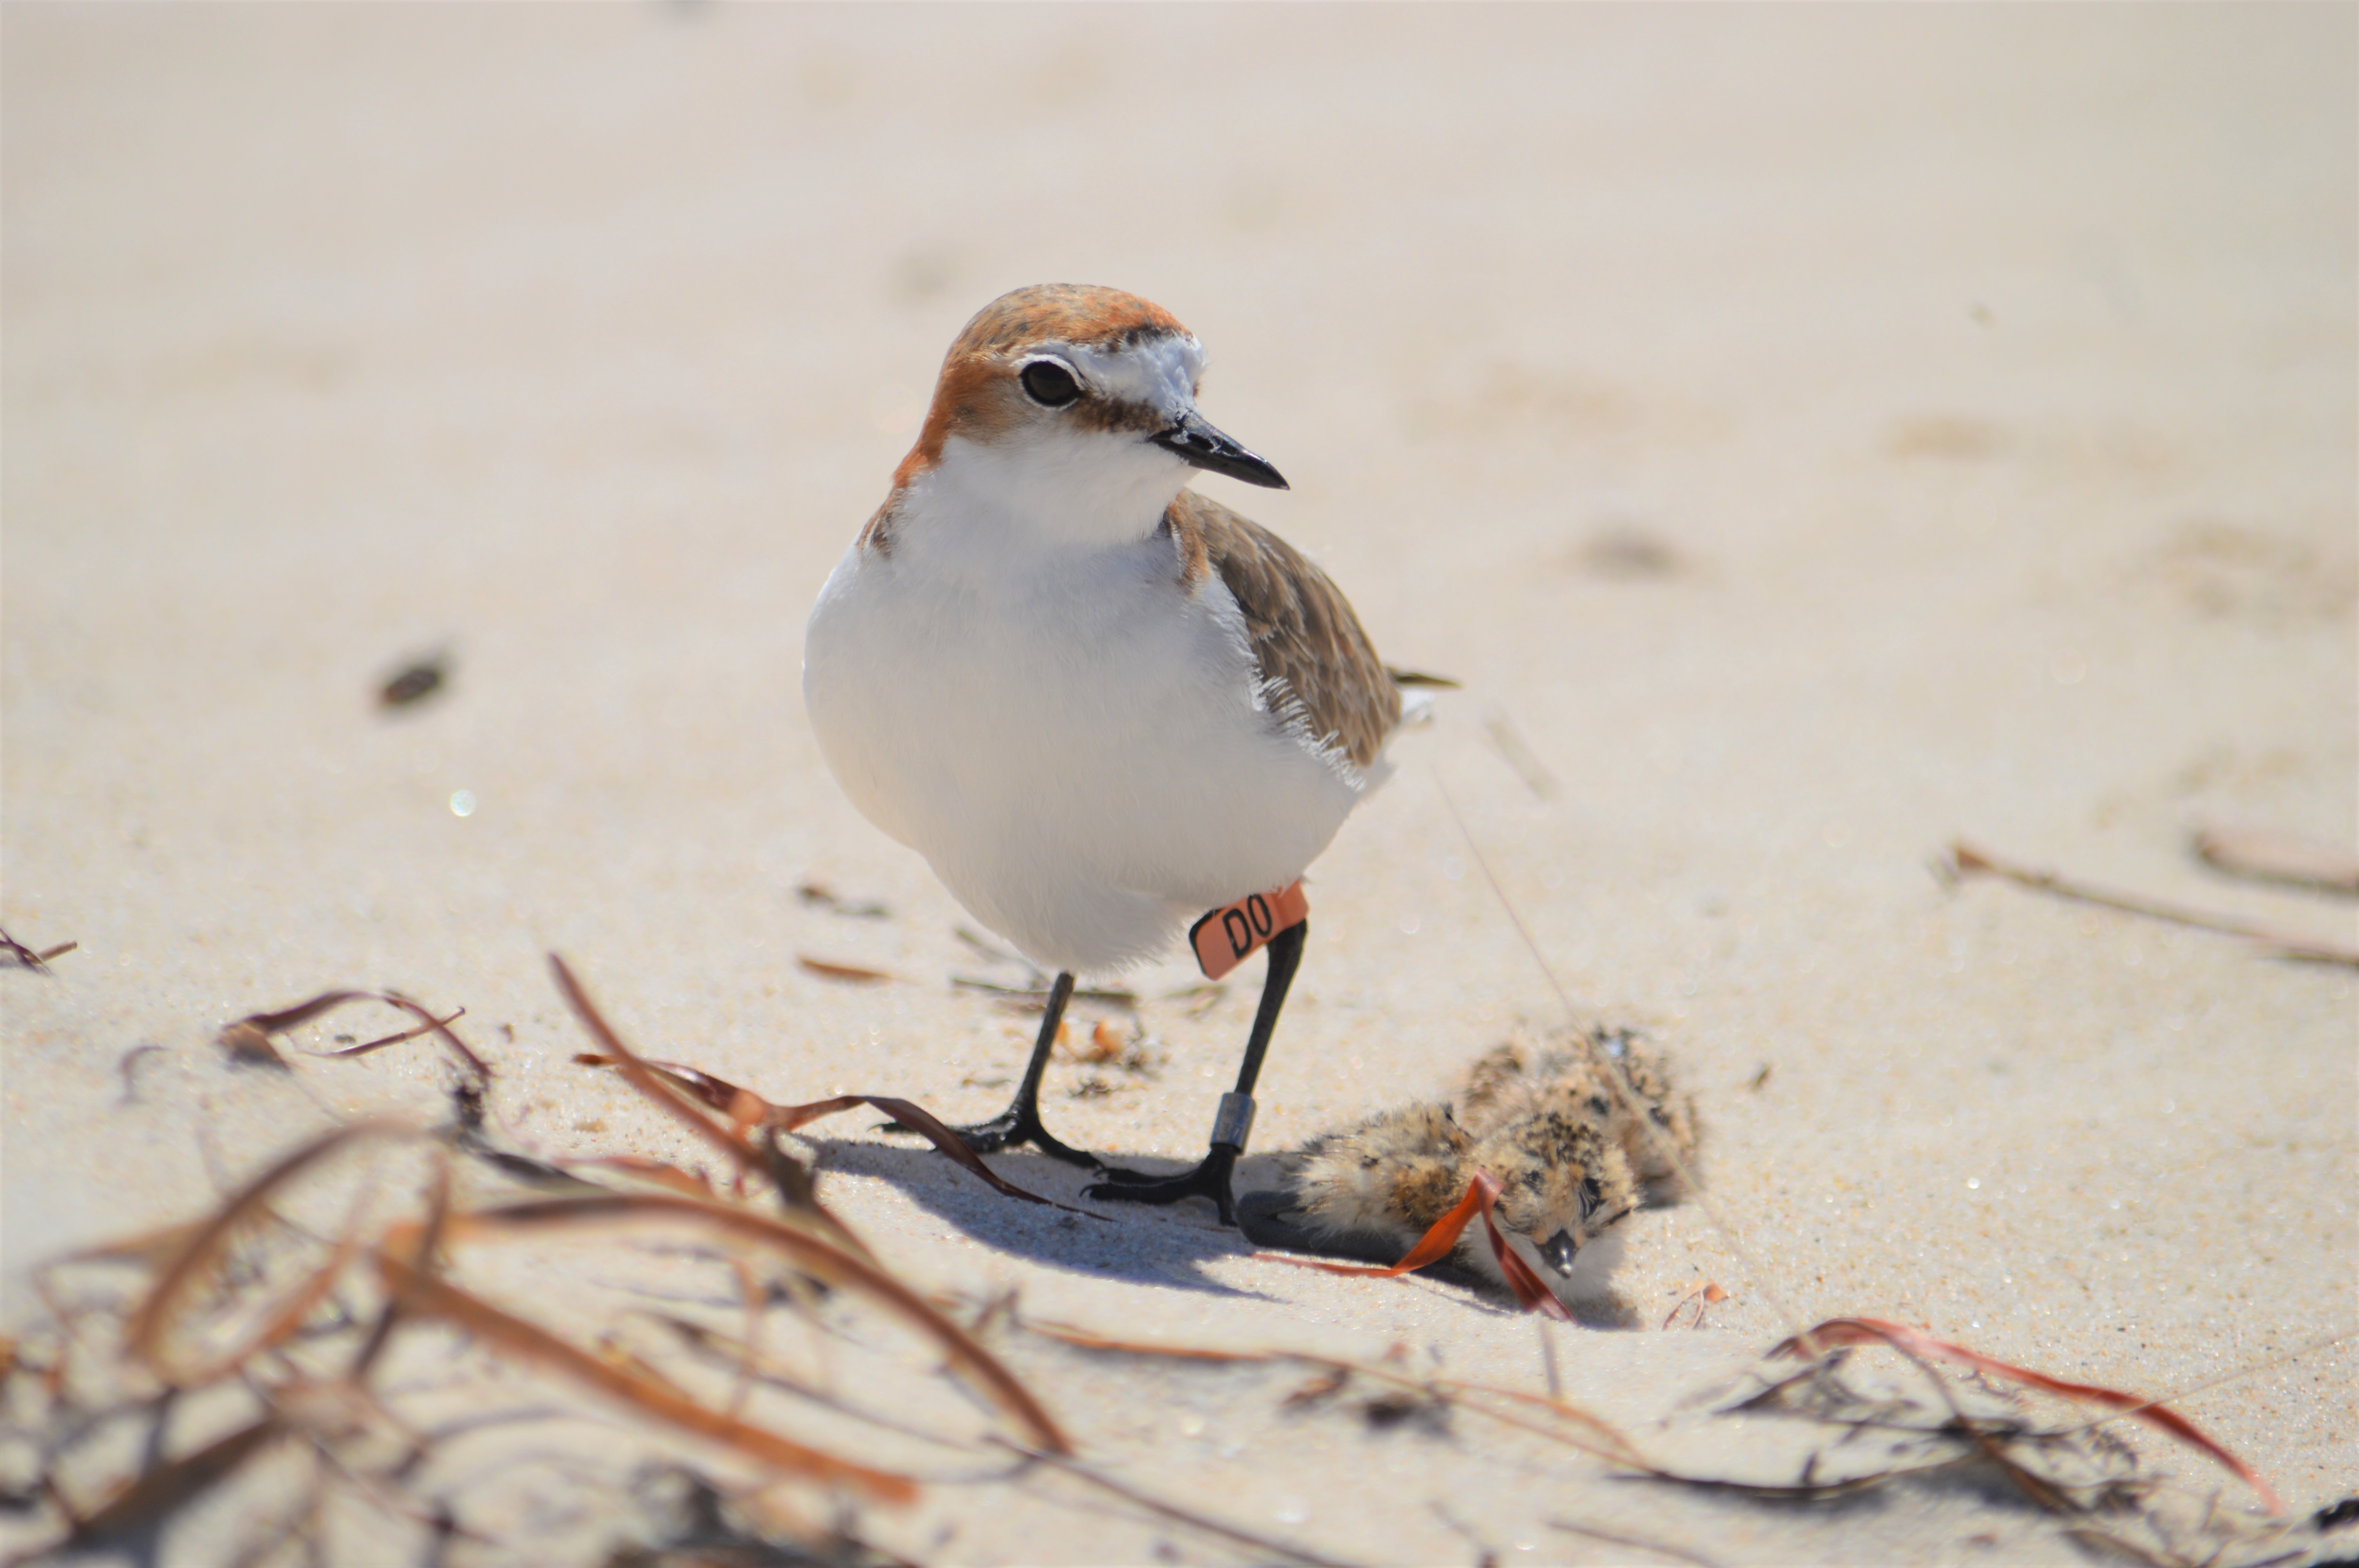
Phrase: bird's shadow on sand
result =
(1134, 1242)
(1137, 1243)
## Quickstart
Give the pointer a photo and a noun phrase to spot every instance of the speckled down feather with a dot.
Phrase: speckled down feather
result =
(1654, 1123)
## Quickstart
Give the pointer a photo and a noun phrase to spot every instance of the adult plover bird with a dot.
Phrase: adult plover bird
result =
(1371, 1191)
(1100, 705)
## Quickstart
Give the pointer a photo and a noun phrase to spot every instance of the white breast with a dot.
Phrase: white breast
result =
(1073, 741)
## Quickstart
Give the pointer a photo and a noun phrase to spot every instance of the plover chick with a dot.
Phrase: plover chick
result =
(1098, 703)
(1372, 1191)
(1652, 1122)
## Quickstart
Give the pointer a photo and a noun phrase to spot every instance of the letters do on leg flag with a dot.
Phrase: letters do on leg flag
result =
(1228, 937)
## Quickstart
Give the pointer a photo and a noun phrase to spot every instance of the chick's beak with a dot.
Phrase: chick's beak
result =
(1193, 438)
(1559, 1250)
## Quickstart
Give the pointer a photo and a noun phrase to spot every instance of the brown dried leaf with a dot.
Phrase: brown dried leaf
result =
(923, 1122)
(748, 1108)
(1606, 1440)
(426, 1296)
(201, 1251)
(1966, 859)
(819, 894)
(148, 1249)
(647, 1170)
(1066, 1333)
(244, 1042)
(1033, 998)
(640, 1076)
(1611, 1537)
(249, 1039)
(2265, 855)
(422, 1243)
(141, 1506)
(808, 1251)
(743, 1106)
(1325, 1385)
(853, 973)
(1908, 1341)
(24, 957)
(382, 1041)
(414, 682)
(1609, 1441)
(1707, 1294)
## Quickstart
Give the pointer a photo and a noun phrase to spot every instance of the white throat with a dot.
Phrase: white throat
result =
(1060, 487)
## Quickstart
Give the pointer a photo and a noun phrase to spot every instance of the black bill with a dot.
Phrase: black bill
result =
(1202, 445)
(1559, 1250)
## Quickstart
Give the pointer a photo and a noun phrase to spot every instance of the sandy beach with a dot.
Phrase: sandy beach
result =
(1813, 438)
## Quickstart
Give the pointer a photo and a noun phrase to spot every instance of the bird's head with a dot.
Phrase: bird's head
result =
(1074, 407)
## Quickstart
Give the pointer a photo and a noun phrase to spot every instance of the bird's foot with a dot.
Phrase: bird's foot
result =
(1208, 1180)
(1012, 1129)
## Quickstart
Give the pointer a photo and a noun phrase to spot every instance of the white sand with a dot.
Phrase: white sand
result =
(1990, 376)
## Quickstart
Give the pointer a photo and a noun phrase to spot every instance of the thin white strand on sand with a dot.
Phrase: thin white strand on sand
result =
(1758, 1277)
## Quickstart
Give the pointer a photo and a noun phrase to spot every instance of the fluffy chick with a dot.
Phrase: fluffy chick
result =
(1563, 1189)
(1528, 1076)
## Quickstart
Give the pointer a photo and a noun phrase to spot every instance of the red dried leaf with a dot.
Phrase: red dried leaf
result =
(1482, 1196)
(1875, 1331)
(1531, 1294)
(1434, 1246)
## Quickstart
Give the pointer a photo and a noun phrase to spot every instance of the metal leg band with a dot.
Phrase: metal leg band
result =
(1234, 1123)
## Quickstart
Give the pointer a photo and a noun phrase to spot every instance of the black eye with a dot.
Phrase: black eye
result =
(1048, 381)
(1593, 1197)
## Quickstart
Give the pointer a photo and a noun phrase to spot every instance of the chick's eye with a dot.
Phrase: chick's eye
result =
(1593, 1197)
(1048, 381)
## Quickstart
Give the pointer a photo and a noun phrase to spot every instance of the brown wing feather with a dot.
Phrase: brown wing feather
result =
(1302, 629)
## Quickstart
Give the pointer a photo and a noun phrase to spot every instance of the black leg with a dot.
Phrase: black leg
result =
(1020, 1122)
(1235, 1122)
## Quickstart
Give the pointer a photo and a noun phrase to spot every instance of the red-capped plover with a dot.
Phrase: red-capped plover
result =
(1098, 703)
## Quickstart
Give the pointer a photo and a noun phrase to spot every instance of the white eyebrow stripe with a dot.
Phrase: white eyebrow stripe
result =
(1160, 373)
